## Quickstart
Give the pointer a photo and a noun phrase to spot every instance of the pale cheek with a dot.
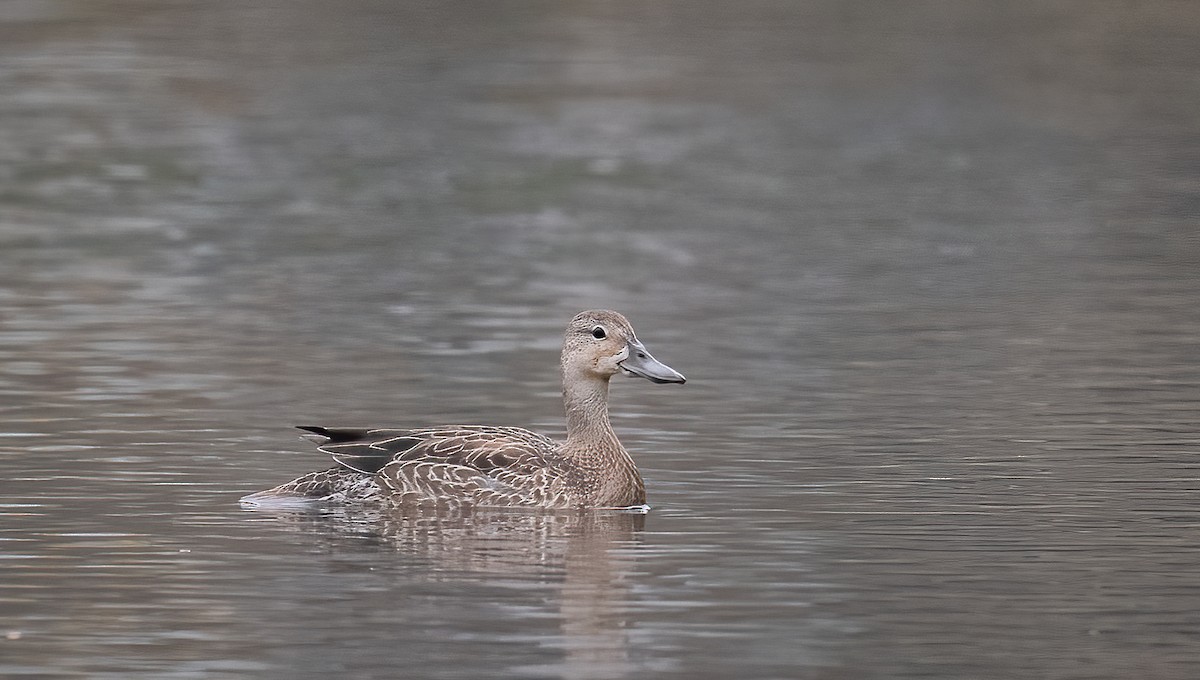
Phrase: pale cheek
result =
(606, 365)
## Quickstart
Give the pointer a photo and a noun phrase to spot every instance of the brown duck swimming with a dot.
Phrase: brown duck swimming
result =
(482, 466)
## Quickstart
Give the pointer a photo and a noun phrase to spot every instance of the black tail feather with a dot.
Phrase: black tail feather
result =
(336, 436)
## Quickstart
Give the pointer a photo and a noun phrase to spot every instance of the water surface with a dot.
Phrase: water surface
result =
(929, 267)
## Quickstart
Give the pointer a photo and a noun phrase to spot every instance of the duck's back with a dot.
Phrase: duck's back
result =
(452, 465)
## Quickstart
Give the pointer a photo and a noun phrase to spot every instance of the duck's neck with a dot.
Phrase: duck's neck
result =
(586, 402)
(608, 476)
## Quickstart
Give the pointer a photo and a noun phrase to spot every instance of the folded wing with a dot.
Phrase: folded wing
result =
(495, 466)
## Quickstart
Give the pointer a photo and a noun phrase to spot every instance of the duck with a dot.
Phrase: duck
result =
(482, 466)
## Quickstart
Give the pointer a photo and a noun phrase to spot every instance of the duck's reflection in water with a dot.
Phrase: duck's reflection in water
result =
(591, 555)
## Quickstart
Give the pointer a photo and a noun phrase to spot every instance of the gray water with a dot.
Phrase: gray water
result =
(930, 267)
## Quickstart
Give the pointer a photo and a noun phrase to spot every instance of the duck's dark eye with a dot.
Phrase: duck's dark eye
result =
(598, 333)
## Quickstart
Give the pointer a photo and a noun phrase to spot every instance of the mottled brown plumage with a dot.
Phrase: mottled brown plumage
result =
(482, 466)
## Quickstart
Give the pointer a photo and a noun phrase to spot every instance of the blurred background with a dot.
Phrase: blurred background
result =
(930, 268)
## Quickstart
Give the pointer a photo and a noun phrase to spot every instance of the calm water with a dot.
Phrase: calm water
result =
(931, 269)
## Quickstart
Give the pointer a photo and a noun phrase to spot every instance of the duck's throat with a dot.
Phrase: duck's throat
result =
(586, 402)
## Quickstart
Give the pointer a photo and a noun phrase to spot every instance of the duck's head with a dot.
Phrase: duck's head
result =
(600, 343)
